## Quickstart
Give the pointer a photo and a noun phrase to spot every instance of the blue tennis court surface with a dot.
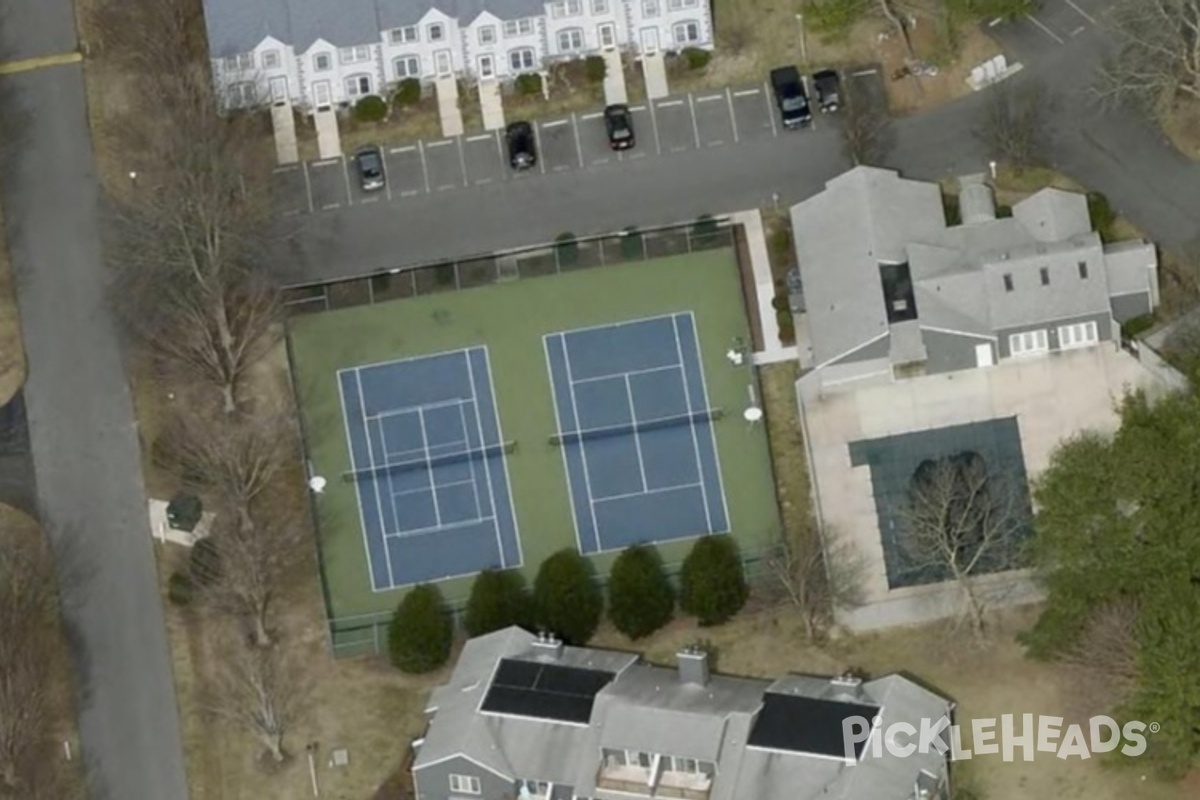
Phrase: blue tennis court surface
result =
(428, 460)
(637, 432)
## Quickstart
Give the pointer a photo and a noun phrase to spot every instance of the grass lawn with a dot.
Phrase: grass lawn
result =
(511, 320)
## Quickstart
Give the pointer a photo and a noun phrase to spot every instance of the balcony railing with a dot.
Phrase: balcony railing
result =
(634, 780)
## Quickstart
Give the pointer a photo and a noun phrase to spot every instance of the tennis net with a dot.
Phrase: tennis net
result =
(428, 462)
(637, 426)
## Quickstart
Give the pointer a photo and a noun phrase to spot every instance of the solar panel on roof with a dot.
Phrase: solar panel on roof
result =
(544, 691)
(807, 725)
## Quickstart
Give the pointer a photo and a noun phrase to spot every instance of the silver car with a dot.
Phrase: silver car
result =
(369, 161)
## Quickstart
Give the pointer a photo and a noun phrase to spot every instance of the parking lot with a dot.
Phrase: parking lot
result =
(664, 127)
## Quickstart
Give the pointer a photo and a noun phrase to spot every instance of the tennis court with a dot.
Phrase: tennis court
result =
(428, 460)
(636, 432)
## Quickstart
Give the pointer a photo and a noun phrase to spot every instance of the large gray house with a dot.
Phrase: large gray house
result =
(525, 718)
(891, 290)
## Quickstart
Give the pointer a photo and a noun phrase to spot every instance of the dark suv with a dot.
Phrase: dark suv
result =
(618, 122)
(791, 97)
(522, 146)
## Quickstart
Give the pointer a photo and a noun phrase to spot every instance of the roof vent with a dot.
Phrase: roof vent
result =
(693, 665)
(547, 645)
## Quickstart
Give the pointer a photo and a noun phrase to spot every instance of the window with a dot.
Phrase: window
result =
(679, 5)
(566, 8)
(1008, 283)
(355, 55)
(1045, 273)
(407, 67)
(1028, 343)
(518, 27)
(650, 8)
(487, 34)
(1083, 270)
(521, 59)
(686, 32)
(322, 62)
(270, 59)
(404, 35)
(635, 758)
(599, 7)
(465, 784)
(1080, 334)
(436, 31)
(242, 95)
(570, 40)
(686, 765)
(358, 85)
(239, 63)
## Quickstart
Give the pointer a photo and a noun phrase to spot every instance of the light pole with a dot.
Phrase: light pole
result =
(312, 767)
(803, 44)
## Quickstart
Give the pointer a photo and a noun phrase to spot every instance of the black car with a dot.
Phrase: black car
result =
(791, 97)
(522, 146)
(619, 124)
(828, 88)
(369, 161)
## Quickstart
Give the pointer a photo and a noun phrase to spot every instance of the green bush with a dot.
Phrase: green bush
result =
(499, 598)
(640, 598)
(566, 601)
(833, 19)
(567, 247)
(1102, 214)
(420, 633)
(712, 584)
(1132, 328)
(204, 563)
(1003, 210)
(781, 303)
(631, 244)
(696, 57)
(371, 108)
(529, 83)
(596, 68)
(179, 589)
(408, 92)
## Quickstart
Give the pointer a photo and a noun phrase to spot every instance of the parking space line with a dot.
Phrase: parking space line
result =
(654, 125)
(410, 192)
(346, 175)
(408, 148)
(555, 123)
(330, 206)
(387, 181)
(438, 143)
(770, 109)
(578, 144)
(1047, 31)
(637, 108)
(424, 164)
(479, 137)
(746, 93)
(537, 139)
(1078, 30)
(307, 186)
(670, 103)
(281, 170)
(447, 187)
(593, 115)
(1082, 13)
(371, 199)
(462, 161)
(695, 125)
(708, 98)
(482, 181)
(864, 72)
(732, 115)
(325, 163)
(499, 149)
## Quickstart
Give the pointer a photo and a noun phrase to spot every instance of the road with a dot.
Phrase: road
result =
(1149, 182)
(82, 433)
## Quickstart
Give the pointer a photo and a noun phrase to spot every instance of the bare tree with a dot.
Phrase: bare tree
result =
(817, 578)
(1104, 659)
(959, 521)
(866, 128)
(1158, 54)
(1012, 124)
(259, 690)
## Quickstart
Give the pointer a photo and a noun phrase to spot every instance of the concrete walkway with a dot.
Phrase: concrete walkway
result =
(654, 69)
(614, 78)
(764, 287)
(491, 104)
(329, 137)
(448, 110)
(283, 123)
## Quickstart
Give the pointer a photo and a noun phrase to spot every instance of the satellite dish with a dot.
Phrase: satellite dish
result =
(317, 484)
(753, 414)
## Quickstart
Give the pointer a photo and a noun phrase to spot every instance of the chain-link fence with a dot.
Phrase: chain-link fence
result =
(566, 254)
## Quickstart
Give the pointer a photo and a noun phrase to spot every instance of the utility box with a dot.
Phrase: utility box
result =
(184, 512)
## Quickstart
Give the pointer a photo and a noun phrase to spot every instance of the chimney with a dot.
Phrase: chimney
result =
(547, 646)
(846, 687)
(693, 665)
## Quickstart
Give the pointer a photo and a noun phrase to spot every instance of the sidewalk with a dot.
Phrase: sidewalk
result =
(774, 349)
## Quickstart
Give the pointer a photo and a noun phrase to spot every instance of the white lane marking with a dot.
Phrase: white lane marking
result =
(479, 137)
(372, 199)
(746, 93)
(447, 186)
(482, 181)
(637, 108)
(1046, 30)
(346, 175)
(578, 144)
(770, 110)
(555, 123)
(308, 188)
(410, 192)
(408, 148)
(462, 162)
(864, 72)
(1078, 30)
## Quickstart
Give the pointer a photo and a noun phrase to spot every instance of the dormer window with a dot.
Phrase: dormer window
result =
(1083, 270)
(1045, 273)
(1008, 282)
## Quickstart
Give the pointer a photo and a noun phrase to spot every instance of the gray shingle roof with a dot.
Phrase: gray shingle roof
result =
(238, 26)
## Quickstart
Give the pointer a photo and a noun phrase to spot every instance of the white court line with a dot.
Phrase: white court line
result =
(746, 92)
(446, 485)
(408, 148)
(1082, 13)
(624, 374)
(479, 137)
(362, 407)
(637, 440)
(627, 495)
(708, 98)
(438, 143)
(593, 115)
(555, 123)
(395, 412)
(582, 444)
(437, 511)
(559, 427)
(512, 505)
(1048, 32)
(482, 440)
(622, 324)
(712, 430)
(384, 474)
(470, 523)
(462, 420)
(362, 514)
(669, 103)
(687, 396)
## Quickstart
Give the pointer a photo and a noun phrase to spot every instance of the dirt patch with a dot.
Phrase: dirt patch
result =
(12, 348)
(910, 94)
(1181, 124)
